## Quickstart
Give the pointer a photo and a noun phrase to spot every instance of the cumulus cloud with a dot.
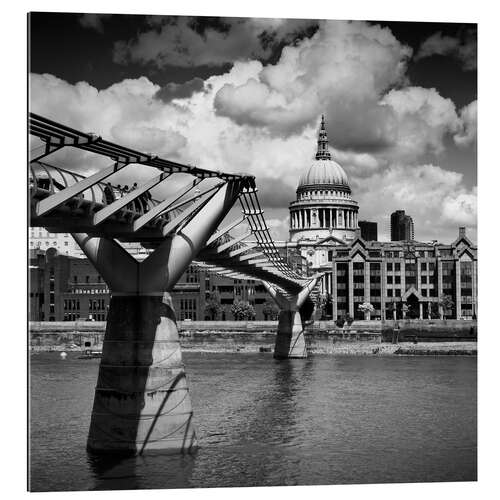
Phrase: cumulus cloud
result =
(343, 70)
(437, 199)
(263, 120)
(93, 21)
(126, 112)
(188, 41)
(423, 118)
(464, 49)
(180, 90)
(468, 125)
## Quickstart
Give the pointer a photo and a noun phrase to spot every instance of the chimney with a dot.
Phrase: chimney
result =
(461, 232)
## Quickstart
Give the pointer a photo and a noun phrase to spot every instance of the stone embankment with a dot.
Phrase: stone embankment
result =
(361, 338)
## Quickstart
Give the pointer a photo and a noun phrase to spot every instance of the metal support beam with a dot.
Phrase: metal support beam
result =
(177, 221)
(226, 229)
(47, 204)
(118, 204)
(233, 242)
(162, 206)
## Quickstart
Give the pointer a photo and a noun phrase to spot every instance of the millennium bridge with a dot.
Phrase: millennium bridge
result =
(142, 402)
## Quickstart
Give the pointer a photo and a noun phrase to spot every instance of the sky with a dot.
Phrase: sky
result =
(247, 94)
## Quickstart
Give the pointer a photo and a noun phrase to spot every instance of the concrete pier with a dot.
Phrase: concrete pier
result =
(290, 340)
(142, 401)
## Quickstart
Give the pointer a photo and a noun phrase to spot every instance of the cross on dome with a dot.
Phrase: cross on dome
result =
(323, 153)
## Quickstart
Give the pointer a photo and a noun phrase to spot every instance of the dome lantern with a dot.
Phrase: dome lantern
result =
(323, 153)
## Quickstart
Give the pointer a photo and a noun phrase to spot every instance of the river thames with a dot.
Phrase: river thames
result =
(262, 422)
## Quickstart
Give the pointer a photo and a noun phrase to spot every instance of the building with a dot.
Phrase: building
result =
(368, 230)
(41, 239)
(402, 227)
(405, 276)
(324, 206)
(410, 276)
(66, 288)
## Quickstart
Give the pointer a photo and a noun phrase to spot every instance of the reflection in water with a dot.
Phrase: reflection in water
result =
(260, 421)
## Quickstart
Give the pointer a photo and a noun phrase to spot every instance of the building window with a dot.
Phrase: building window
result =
(397, 292)
(389, 266)
(397, 266)
(389, 292)
(423, 266)
(397, 280)
(389, 280)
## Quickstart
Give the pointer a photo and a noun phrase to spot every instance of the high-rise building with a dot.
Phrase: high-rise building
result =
(369, 230)
(402, 227)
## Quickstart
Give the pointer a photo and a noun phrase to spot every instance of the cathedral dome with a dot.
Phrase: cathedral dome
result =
(324, 173)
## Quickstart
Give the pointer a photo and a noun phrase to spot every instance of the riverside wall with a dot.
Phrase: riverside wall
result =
(362, 337)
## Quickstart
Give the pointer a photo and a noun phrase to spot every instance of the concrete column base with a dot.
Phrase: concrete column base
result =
(142, 401)
(290, 340)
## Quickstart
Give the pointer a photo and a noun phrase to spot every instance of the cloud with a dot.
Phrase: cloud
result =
(188, 41)
(342, 70)
(180, 90)
(468, 130)
(464, 49)
(437, 199)
(423, 118)
(262, 119)
(93, 21)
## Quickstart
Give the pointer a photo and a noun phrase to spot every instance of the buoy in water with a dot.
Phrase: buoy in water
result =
(63, 355)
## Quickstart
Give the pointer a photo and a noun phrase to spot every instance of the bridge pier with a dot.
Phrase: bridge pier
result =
(142, 399)
(294, 312)
(142, 402)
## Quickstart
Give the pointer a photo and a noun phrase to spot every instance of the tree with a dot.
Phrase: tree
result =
(213, 307)
(270, 310)
(446, 304)
(366, 308)
(242, 310)
(392, 308)
(323, 304)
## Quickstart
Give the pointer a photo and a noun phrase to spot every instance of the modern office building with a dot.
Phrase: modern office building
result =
(368, 230)
(402, 227)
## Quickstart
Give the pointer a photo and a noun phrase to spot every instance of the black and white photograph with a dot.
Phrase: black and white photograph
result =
(252, 251)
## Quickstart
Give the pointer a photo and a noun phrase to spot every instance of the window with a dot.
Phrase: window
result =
(424, 279)
(397, 292)
(397, 280)
(87, 279)
(423, 266)
(397, 266)
(389, 266)
(389, 280)
(389, 292)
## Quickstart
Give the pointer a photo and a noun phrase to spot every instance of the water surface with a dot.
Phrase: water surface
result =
(323, 420)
